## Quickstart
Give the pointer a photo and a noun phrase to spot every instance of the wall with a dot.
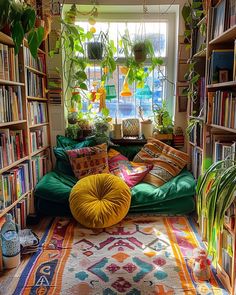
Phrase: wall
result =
(57, 112)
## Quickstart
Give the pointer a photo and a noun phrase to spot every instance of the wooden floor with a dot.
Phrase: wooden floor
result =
(9, 278)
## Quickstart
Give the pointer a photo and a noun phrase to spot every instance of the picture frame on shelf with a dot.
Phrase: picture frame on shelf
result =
(182, 104)
(182, 70)
(223, 76)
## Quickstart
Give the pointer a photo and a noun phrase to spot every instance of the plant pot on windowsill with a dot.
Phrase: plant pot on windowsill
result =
(95, 50)
(146, 128)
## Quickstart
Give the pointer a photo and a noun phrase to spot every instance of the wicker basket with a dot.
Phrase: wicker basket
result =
(130, 127)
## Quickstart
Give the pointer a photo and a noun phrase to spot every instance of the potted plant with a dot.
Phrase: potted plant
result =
(164, 126)
(102, 127)
(137, 72)
(95, 50)
(20, 18)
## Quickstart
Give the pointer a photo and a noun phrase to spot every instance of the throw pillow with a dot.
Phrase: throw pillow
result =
(132, 173)
(167, 161)
(62, 160)
(89, 160)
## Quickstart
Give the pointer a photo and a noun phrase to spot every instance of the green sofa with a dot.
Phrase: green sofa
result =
(53, 190)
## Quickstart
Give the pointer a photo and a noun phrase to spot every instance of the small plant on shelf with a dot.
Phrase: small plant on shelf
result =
(163, 121)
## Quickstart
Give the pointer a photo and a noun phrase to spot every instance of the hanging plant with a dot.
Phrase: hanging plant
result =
(21, 17)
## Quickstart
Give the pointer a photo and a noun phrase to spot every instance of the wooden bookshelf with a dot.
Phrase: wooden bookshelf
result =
(4, 169)
(227, 36)
(24, 123)
(13, 83)
(37, 98)
(6, 210)
(12, 123)
(39, 125)
(35, 71)
(222, 85)
(218, 111)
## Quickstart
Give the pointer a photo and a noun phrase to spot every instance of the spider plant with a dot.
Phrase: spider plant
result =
(215, 193)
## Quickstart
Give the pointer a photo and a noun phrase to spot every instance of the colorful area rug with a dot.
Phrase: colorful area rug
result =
(145, 255)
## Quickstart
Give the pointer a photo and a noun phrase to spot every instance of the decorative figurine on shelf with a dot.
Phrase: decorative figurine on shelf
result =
(10, 243)
(201, 265)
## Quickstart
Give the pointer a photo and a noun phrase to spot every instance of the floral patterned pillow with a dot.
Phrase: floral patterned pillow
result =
(89, 160)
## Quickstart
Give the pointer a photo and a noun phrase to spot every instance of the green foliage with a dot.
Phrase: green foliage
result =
(102, 127)
(215, 193)
(73, 131)
(162, 119)
(21, 19)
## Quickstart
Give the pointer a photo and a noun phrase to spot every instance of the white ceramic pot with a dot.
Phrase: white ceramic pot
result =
(146, 129)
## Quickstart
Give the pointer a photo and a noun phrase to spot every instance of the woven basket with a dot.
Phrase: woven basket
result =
(130, 127)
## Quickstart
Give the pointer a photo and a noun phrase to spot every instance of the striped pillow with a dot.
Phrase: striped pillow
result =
(167, 161)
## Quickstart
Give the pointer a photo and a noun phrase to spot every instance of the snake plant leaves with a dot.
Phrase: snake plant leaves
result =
(215, 193)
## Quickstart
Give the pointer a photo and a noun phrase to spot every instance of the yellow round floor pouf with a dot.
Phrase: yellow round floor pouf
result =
(100, 200)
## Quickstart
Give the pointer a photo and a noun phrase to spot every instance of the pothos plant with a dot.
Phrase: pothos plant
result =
(215, 193)
(20, 17)
(163, 121)
(192, 13)
(137, 72)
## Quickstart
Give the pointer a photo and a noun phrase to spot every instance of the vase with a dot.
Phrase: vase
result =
(10, 243)
(146, 129)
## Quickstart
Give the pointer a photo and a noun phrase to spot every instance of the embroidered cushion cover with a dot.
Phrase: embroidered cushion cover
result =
(167, 161)
(89, 160)
(132, 173)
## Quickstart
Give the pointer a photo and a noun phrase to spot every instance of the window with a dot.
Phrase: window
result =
(124, 107)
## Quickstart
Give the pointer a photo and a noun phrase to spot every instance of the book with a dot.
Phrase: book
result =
(221, 59)
(219, 19)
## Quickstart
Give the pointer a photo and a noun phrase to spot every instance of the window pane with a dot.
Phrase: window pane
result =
(127, 106)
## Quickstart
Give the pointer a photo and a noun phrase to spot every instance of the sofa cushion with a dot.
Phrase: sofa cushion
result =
(132, 173)
(62, 160)
(167, 161)
(147, 195)
(89, 160)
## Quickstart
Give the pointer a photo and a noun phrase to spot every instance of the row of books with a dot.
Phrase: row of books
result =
(196, 135)
(37, 112)
(12, 146)
(37, 63)
(226, 252)
(14, 183)
(54, 89)
(221, 107)
(39, 138)
(221, 66)
(9, 64)
(11, 108)
(196, 162)
(35, 85)
(40, 166)
(223, 17)
(198, 41)
(224, 147)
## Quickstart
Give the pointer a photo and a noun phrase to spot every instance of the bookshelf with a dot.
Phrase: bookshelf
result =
(215, 110)
(25, 154)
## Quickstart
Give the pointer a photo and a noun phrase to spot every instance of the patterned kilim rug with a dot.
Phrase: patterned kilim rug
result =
(145, 255)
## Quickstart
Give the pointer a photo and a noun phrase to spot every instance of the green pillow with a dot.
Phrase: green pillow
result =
(62, 160)
(63, 141)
